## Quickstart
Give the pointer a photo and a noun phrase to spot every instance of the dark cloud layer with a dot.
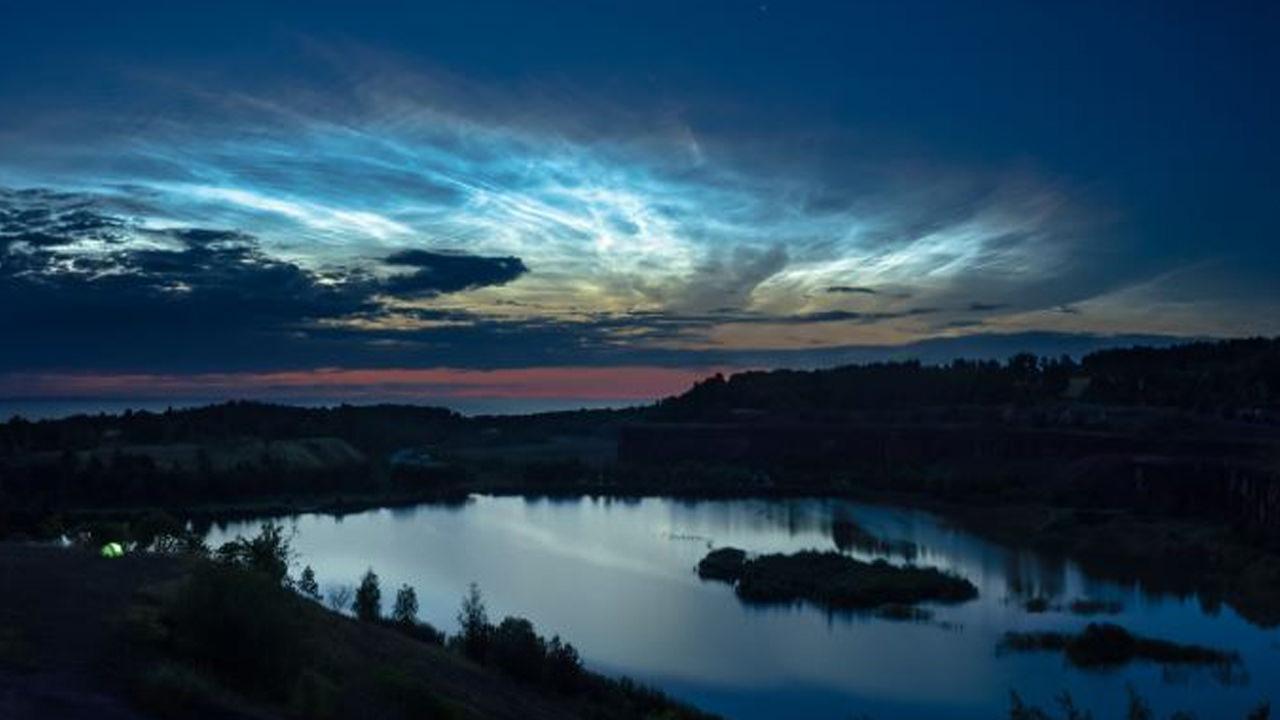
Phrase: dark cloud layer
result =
(852, 289)
(201, 284)
(436, 272)
(40, 218)
(82, 288)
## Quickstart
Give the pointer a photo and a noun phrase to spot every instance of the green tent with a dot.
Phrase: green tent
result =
(112, 550)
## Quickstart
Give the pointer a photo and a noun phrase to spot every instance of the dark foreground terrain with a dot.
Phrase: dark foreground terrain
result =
(60, 652)
(154, 636)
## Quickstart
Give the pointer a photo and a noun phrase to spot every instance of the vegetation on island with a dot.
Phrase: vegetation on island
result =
(831, 579)
(1108, 645)
(725, 564)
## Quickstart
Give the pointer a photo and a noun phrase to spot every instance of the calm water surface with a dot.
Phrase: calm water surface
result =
(616, 579)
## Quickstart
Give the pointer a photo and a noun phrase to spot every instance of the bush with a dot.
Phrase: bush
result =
(241, 626)
(368, 605)
(186, 543)
(389, 693)
(315, 697)
(420, 631)
(268, 553)
(564, 667)
(517, 650)
(154, 524)
(167, 690)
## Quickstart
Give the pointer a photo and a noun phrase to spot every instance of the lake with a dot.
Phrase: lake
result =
(616, 578)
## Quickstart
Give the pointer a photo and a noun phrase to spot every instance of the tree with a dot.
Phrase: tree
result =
(368, 605)
(473, 618)
(307, 584)
(406, 608)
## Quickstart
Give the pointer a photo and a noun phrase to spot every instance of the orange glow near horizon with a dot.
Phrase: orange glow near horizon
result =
(635, 382)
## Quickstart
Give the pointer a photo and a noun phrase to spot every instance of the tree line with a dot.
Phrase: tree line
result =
(1238, 377)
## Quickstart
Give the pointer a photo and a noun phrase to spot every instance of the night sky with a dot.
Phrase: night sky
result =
(605, 200)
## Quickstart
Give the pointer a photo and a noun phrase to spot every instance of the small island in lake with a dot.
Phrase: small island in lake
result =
(1102, 645)
(831, 579)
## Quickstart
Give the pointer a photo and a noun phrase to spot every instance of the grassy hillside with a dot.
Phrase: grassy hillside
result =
(161, 636)
(295, 455)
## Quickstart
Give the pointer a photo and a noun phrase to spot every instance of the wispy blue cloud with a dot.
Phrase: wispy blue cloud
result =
(657, 221)
(587, 226)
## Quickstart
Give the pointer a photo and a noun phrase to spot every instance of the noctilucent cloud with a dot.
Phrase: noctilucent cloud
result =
(453, 199)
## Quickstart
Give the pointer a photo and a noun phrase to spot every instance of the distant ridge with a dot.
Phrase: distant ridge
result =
(1228, 377)
(935, 351)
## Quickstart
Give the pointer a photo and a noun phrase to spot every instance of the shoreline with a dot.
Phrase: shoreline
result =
(1117, 545)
